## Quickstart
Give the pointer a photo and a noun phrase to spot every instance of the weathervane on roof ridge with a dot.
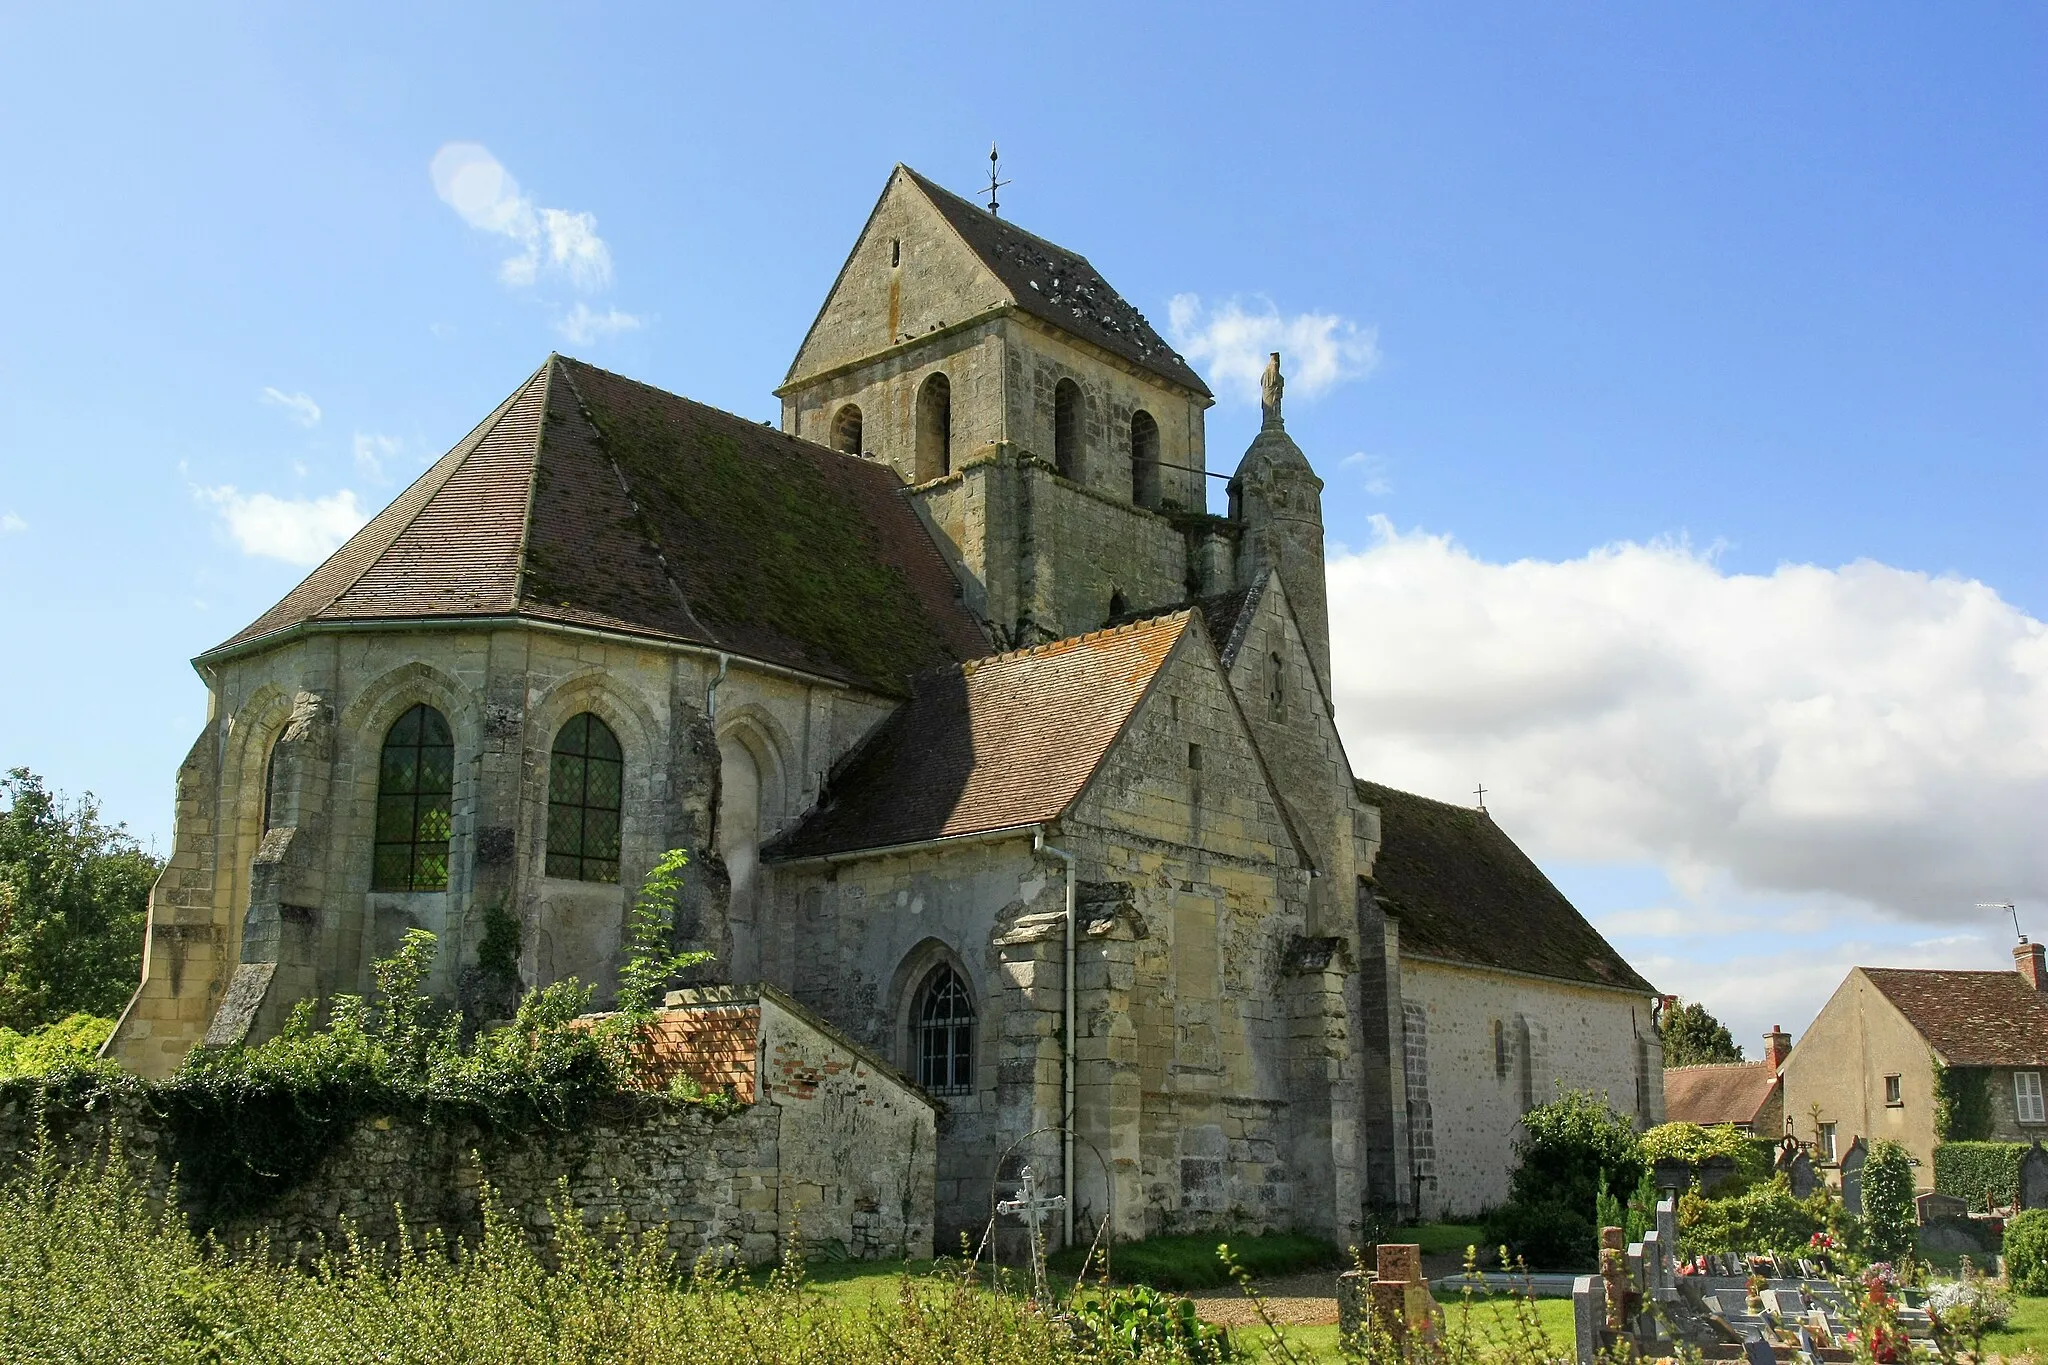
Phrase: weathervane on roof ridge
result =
(993, 183)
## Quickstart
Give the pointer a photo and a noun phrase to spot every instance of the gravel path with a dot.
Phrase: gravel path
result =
(1296, 1300)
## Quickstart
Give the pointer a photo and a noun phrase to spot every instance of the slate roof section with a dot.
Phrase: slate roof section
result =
(1060, 287)
(590, 499)
(1726, 1092)
(1226, 615)
(1465, 893)
(1970, 1018)
(1000, 742)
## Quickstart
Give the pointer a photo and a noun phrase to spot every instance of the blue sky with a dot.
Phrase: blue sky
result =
(1685, 371)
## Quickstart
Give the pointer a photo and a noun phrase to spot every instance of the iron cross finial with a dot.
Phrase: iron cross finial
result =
(1481, 794)
(994, 184)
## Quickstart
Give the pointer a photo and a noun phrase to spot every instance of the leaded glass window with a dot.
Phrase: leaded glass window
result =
(585, 785)
(945, 1035)
(415, 793)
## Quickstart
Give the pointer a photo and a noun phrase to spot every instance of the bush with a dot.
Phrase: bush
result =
(1764, 1217)
(1984, 1173)
(1691, 1145)
(2026, 1252)
(1888, 1218)
(75, 1040)
(1567, 1148)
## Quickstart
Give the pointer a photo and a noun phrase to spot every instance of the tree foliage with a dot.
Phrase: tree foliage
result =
(2026, 1251)
(1567, 1149)
(74, 894)
(1693, 1036)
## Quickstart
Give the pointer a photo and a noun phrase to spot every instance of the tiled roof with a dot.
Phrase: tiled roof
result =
(1225, 614)
(1970, 1018)
(1000, 742)
(1465, 893)
(1728, 1092)
(590, 499)
(1060, 287)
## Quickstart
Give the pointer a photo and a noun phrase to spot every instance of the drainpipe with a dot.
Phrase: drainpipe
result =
(1039, 845)
(711, 692)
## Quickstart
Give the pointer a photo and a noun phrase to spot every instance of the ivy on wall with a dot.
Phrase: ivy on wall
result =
(1962, 1103)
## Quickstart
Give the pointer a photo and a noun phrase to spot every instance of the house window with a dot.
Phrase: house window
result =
(846, 430)
(1066, 428)
(1894, 1092)
(585, 785)
(2026, 1093)
(1827, 1141)
(415, 799)
(945, 1035)
(934, 428)
(1144, 459)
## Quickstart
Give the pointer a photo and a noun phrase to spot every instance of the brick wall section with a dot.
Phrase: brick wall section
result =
(716, 1048)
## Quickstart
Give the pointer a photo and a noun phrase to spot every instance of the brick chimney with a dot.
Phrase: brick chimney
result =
(2027, 960)
(1777, 1046)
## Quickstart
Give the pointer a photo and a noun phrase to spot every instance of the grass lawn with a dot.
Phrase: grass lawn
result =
(2028, 1330)
(1444, 1239)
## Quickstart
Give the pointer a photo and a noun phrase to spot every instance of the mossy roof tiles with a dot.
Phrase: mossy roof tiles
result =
(590, 499)
(1970, 1018)
(1060, 287)
(1465, 893)
(1725, 1092)
(996, 743)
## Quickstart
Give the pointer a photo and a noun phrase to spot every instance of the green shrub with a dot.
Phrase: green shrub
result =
(1566, 1148)
(2026, 1252)
(1888, 1218)
(75, 1040)
(1190, 1261)
(1692, 1144)
(1145, 1323)
(1984, 1173)
(1764, 1217)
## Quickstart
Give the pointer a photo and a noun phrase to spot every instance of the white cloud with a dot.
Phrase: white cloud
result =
(372, 450)
(296, 530)
(10, 523)
(556, 241)
(1374, 472)
(298, 406)
(1871, 736)
(1317, 350)
(583, 324)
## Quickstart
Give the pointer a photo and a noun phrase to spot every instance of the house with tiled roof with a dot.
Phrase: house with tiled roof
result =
(992, 747)
(1745, 1095)
(1869, 1064)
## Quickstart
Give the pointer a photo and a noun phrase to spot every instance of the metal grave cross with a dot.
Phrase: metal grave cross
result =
(1034, 1209)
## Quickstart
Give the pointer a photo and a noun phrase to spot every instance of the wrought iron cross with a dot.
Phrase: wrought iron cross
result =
(993, 183)
(1034, 1209)
(1481, 794)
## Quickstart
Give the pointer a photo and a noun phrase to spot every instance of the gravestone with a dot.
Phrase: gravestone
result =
(1852, 1176)
(1667, 1224)
(1589, 1316)
(2033, 1180)
(1929, 1207)
(1399, 1298)
(1797, 1167)
(1756, 1350)
(1614, 1273)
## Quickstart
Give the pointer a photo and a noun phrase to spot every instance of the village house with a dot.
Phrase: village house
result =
(1748, 1095)
(1867, 1066)
(994, 748)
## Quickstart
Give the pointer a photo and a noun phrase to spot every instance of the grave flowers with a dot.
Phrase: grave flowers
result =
(1877, 1336)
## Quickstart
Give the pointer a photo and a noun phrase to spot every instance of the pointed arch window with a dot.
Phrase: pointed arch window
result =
(586, 782)
(1066, 428)
(273, 788)
(846, 431)
(1144, 459)
(945, 1034)
(934, 428)
(415, 803)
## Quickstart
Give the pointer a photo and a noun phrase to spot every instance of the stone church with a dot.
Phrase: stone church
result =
(993, 746)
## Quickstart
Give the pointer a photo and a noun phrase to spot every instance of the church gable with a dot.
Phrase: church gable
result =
(910, 273)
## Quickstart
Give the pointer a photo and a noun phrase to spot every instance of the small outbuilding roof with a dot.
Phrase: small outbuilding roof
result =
(998, 743)
(1970, 1018)
(1465, 893)
(589, 499)
(1720, 1092)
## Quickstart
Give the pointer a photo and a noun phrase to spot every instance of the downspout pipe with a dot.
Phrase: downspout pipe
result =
(1067, 1062)
(711, 689)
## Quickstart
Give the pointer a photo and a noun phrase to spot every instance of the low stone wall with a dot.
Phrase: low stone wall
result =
(837, 1147)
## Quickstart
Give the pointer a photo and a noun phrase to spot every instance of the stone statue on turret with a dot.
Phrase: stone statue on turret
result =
(1270, 387)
